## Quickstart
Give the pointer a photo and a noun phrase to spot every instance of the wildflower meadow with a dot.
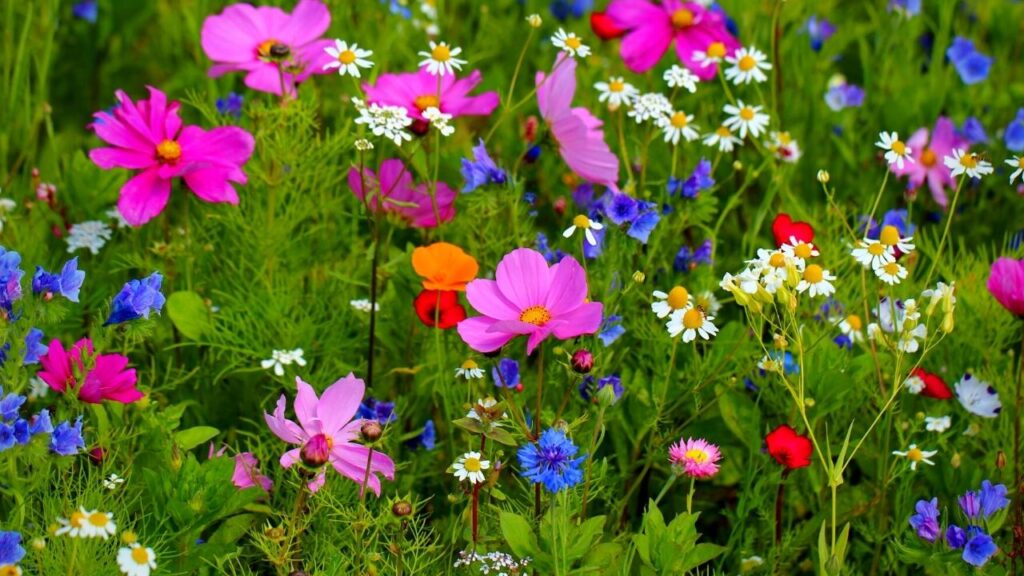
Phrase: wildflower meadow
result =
(511, 287)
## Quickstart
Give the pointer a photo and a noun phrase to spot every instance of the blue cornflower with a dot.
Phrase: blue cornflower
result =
(642, 226)
(428, 438)
(532, 154)
(550, 461)
(34, 347)
(898, 218)
(87, 10)
(67, 283)
(589, 389)
(373, 409)
(398, 8)
(231, 105)
(66, 439)
(979, 548)
(583, 196)
(22, 433)
(481, 170)
(786, 359)
(843, 341)
(699, 179)
(137, 299)
(906, 7)
(926, 521)
(621, 208)
(973, 131)
(687, 259)
(10, 278)
(7, 440)
(842, 95)
(506, 374)
(10, 405)
(11, 551)
(819, 30)
(611, 329)
(41, 423)
(552, 256)
(1014, 135)
(562, 9)
(971, 65)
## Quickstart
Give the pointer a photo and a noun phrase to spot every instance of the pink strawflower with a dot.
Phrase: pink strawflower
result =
(417, 91)
(927, 164)
(326, 424)
(275, 49)
(147, 136)
(393, 183)
(247, 473)
(92, 377)
(578, 133)
(1006, 284)
(695, 457)
(527, 298)
(650, 29)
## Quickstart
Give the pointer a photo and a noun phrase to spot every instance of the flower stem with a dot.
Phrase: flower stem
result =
(476, 495)
(665, 488)
(590, 460)
(536, 425)
(945, 232)
(689, 495)
(370, 352)
(295, 547)
(1018, 481)
(779, 498)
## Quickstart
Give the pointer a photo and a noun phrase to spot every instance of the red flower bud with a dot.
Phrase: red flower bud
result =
(582, 361)
(560, 205)
(316, 451)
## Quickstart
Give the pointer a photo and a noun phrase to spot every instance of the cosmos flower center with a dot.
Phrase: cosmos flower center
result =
(678, 298)
(890, 235)
(682, 18)
(99, 519)
(573, 42)
(616, 86)
(747, 113)
(814, 274)
(716, 50)
(581, 221)
(876, 249)
(168, 151)
(139, 555)
(77, 519)
(898, 147)
(697, 455)
(347, 57)
(928, 158)
(802, 250)
(854, 321)
(679, 120)
(472, 464)
(441, 53)
(536, 315)
(891, 268)
(469, 365)
(915, 454)
(427, 101)
(693, 319)
(777, 260)
(747, 63)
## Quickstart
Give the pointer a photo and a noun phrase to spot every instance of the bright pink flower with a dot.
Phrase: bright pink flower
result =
(247, 473)
(327, 421)
(106, 379)
(1006, 284)
(417, 91)
(578, 133)
(652, 27)
(527, 298)
(273, 47)
(147, 136)
(696, 457)
(927, 164)
(394, 184)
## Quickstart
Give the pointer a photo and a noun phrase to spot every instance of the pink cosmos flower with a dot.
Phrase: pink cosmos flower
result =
(650, 29)
(147, 136)
(417, 91)
(578, 133)
(105, 379)
(392, 190)
(276, 49)
(326, 433)
(1006, 284)
(927, 164)
(527, 298)
(695, 457)
(247, 473)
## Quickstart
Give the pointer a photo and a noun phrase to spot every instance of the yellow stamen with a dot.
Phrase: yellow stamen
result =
(747, 113)
(140, 556)
(876, 249)
(264, 48)
(777, 260)
(581, 221)
(899, 147)
(915, 454)
(891, 268)
(802, 250)
(928, 158)
(855, 322)
(616, 86)
(697, 455)
(536, 315)
(472, 465)
(682, 18)
(99, 519)
(693, 319)
(678, 298)
(469, 365)
(426, 101)
(77, 519)
(716, 50)
(441, 53)
(747, 63)
(573, 42)
(347, 57)
(168, 151)
(969, 160)
(723, 132)
(679, 120)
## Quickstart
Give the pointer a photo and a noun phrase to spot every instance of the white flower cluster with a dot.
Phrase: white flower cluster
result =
(776, 274)
(496, 563)
(91, 235)
(281, 358)
(387, 121)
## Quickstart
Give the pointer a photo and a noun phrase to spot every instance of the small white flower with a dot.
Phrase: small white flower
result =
(470, 467)
(714, 54)
(115, 215)
(852, 328)
(1017, 163)
(439, 120)
(978, 397)
(748, 65)
(746, 119)
(723, 138)
(910, 340)
(691, 323)
(347, 59)
(915, 455)
(363, 145)
(387, 121)
(896, 152)
(680, 77)
(770, 364)
(963, 162)
(441, 59)
(944, 294)
(937, 424)
(37, 388)
(816, 281)
(112, 482)
(799, 250)
(891, 273)
(676, 125)
(281, 358)
(588, 226)
(469, 370)
(91, 235)
(650, 106)
(615, 92)
(872, 253)
(364, 305)
(914, 384)
(678, 298)
(570, 43)
(136, 560)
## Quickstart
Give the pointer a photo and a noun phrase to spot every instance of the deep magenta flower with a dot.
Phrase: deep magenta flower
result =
(695, 457)
(147, 136)
(326, 424)
(275, 49)
(928, 154)
(1006, 284)
(417, 91)
(527, 298)
(94, 377)
(391, 190)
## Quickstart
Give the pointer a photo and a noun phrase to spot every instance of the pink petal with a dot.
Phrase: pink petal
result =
(232, 35)
(474, 332)
(266, 78)
(227, 146)
(635, 13)
(584, 320)
(339, 403)
(586, 154)
(317, 483)
(306, 403)
(485, 296)
(642, 47)
(108, 158)
(394, 179)
(523, 277)
(535, 339)
(918, 141)
(554, 95)
(308, 21)
(350, 460)
(56, 366)
(143, 197)
(211, 185)
(282, 427)
(291, 457)
(568, 287)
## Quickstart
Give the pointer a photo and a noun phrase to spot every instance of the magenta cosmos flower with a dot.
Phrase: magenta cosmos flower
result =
(147, 136)
(417, 91)
(700, 34)
(391, 190)
(527, 298)
(93, 377)
(1006, 284)
(578, 133)
(247, 473)
(326, 433)
(695, 457)
(927, 165)
(275, 49)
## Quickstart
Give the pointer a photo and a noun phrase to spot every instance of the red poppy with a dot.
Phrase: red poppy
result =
(934, 387)
(604, 27)
(790, 449)
(784, 228)
(440, 305)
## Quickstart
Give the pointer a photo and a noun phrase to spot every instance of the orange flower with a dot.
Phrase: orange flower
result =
(444, 266)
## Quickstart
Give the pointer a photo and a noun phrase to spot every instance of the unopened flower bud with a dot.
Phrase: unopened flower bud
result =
(639, 277)
(316, 451)
(1000, 459)
(737, 165)
(955, 460)
(560, 205)
(38, 543)
(535, 20)
(401, 508)
(823, 176)
(582, 361)
(97, 455)
(371, 431)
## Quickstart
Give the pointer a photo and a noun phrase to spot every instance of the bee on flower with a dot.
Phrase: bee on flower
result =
(582, 222)
(748, 65)
(746, 119)
(570, 43)
(723, 138)
(896, 152)
(964, 162)
(616, 92)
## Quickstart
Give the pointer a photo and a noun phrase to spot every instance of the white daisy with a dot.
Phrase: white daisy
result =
(723, 138)
(890, 237)
(570, 43)
(872, 253)
(677, 125)
(136, 560)
(363, 145)
(364, 305)
(98, 524)
(852, 327)
(746, 119)
(910, 339)
(470, 467)
(799, 250)
(937, 423)
(891, 273)
(896, 152)
(679, 77)
(439, 120)
(915, 455)
(678, 298)
(615, 92)
(771, 364)
(347, 59)
(690, 323)
(76, 525)
(816, 281)
(469, 370)
(748, 65)
(1017, 163)
(112, 482)
(650, 106)
(587, 225)
(441, 59)
(711, 56)
(978, 397)
(91, 235)
(963, 162)
(708, 302)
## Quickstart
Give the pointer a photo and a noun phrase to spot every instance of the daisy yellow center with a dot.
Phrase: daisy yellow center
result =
(581, 221)
(77, 519)
(99, 519)
(693, 319)
(802, 250)
(441, 53)
(716, 50)
(573, 42)
(854, 321)
(678, 298)
(876, 249)
(469, 365)
(697, 455)
(679, 120)
(890, 236)
(899, 147)
(891, 268)
(777, 260)
(723, 132)
(139, 555)
(747, 63)
(536, 315)
(472, 465)
(616, 86)
(168, 151)
(1020, 162)
(969, 160)
(682, 18)
(347, 57)
(427, 101)
(814, 274)
(928, 158)
(747, 113)
(915, 454)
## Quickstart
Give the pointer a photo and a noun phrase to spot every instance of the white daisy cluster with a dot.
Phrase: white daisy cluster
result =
(881, 255)
(84, 523)
(387, 121)
(439, 120)
(91, 235)
(650, 107)
(776, 274)
(496, 563)
(281, 358)
(685, 316)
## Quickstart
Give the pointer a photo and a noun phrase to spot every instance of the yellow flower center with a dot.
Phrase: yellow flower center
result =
(1020, 162)
(616, 86)
(682, 18)
(899, 147)
(855, 322)
(536, 315)
(129, 537)
(891, 268)
(77, 519)
(441, 53)
(723, 132)
(802, 250)
(747, 113)
(928, 158)
(915, 454)
(777, 260)
(347, 57)
(425, 101)
(9, 570)
(472, 464)
(814, 274)
(679, 120)
(573, 42)
(469, 365)
(99, 519)
(697, 455)
(678, 298)
(581, 221)
(890, 235)
(876, 249)
(168, 151)
(747, 63)
(969, 160)
(693, 319)
(139, 555)
(716, 50)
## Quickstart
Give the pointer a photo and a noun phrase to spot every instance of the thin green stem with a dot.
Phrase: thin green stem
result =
(945, 231)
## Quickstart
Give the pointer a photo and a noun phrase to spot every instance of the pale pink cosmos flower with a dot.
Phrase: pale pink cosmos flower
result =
(417, 91)
(578, 133)
(528, 298)
(275, 49)
(92, 377)
(147, 137)
(695, 457)
(391, 189)
(326, 433)
(247, 473)
(651, 28)
(927, 165)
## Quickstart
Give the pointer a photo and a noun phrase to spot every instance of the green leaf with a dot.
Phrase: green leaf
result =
(741, 416)
(232, 529)
(192, 437)
(586, 534)
(501, 436)
(189, 314)
(519, 535)
(700, 554)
